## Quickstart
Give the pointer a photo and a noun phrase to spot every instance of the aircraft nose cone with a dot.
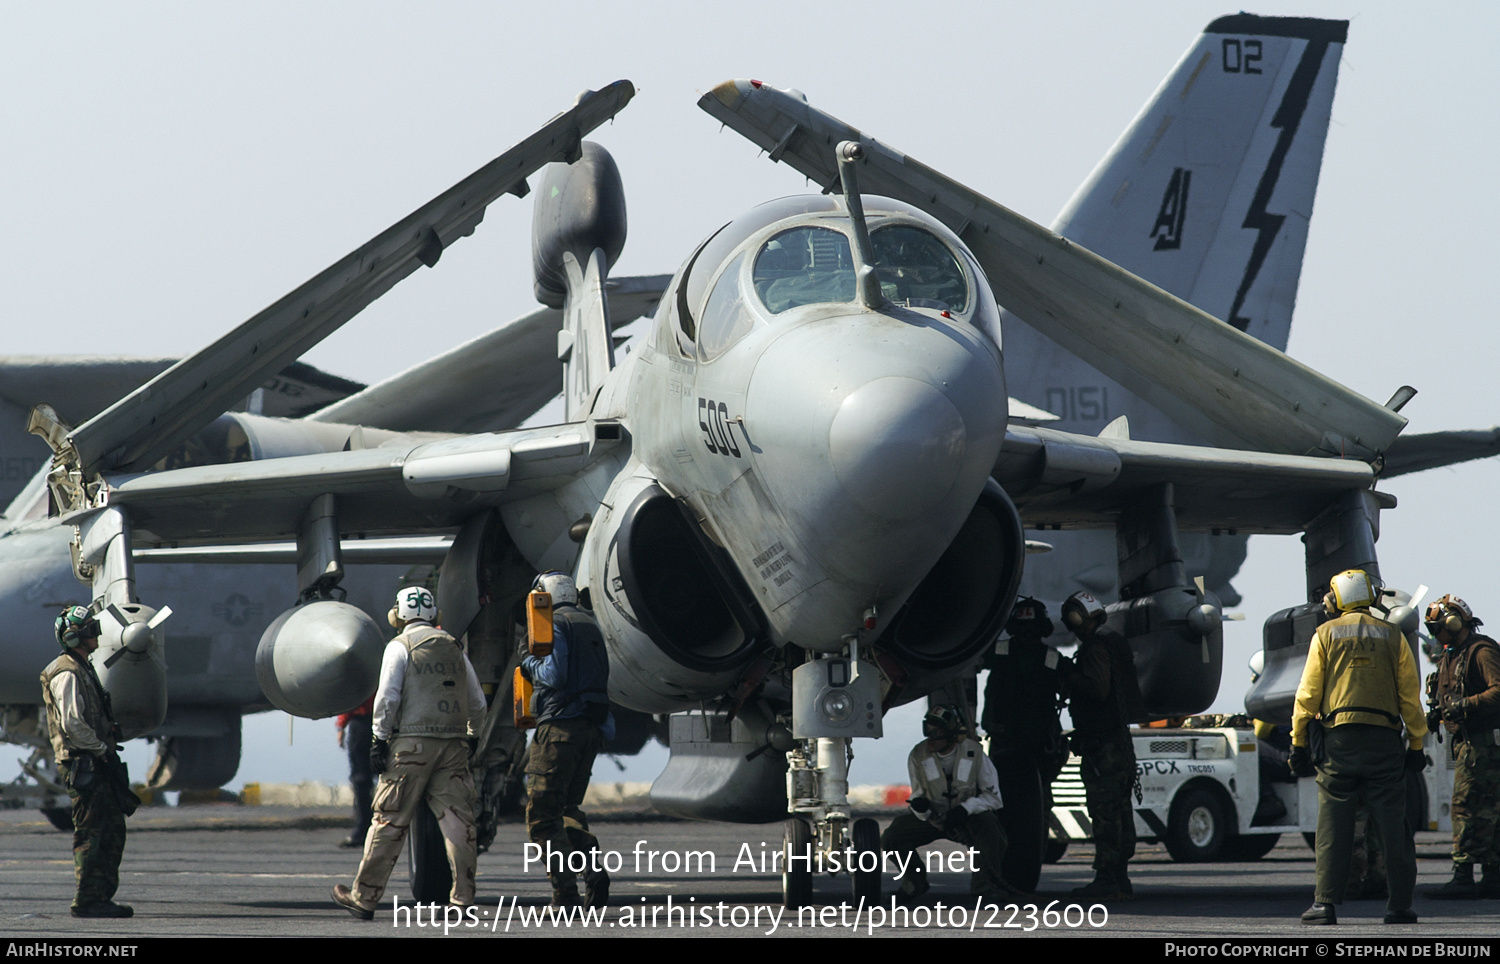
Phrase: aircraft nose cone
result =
(897, 447)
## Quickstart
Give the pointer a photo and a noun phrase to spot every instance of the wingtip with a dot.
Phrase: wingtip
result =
(729, 93)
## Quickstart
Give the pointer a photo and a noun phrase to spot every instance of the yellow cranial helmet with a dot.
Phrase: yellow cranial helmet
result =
(1353, 589)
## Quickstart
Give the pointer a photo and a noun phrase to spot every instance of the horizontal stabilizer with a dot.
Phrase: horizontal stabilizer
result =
(1191, 365)
(1433, 450)
(491, 383)
(141, 428)
(78, 387)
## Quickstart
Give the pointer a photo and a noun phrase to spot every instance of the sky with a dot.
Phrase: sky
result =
(169, 169)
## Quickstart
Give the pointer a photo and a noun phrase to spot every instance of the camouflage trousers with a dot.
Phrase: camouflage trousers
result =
(557, 777)
(1109, 776)
(434, 771)
(1476, 805)
(98, 842)
(982, 832)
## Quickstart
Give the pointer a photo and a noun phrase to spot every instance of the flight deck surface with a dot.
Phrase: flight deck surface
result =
(212, 871)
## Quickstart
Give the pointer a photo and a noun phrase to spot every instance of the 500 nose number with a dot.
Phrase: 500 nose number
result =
(713, 419)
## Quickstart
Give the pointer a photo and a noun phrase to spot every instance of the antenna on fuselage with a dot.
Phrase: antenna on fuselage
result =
(866, 282)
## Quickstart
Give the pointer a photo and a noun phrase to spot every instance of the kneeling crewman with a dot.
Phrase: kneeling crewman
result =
(955, 796)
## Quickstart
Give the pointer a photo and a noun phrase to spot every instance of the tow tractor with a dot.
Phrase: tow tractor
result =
(1200, 787)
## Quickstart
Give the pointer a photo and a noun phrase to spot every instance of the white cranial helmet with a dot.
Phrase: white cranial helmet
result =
(1081, 609)
(560, 585)
(414, 602)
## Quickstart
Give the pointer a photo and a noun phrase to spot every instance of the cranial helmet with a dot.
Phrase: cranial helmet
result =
(1353, 589)
(1080, 609)
(413, 603)
(559, 585)
(942, 721)
(1451, 614)
(1257, 664)
(74, 625)
(1029, 618)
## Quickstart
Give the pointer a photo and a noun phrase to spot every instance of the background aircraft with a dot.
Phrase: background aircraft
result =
(1410, 108)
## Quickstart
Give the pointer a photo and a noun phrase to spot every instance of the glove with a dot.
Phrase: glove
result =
(1300, 763)
(473, 746)
(919, 806)
(380, 755)
(1434, 717)
(1416, 761)
(955, 821)
(1457, 711)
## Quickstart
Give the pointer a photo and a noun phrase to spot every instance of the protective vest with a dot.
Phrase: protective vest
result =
(586, 673)
(1123, 704)
(943, 793)
(435, 690)
(1361, 659)
(92, 703)
(1021, 697)
(1461, 673)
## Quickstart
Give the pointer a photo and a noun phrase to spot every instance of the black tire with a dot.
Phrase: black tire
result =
(427, 859)
(1198, 827)
(1024, 818)
(796, 878)
(1250, 846)
(59, 817)
(1312, 840)
(865, 838)
(1056, 847)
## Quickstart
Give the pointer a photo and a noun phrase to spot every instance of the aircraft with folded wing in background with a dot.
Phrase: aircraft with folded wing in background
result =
(800, 501)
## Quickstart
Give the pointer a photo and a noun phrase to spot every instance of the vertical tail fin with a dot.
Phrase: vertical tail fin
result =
(1208, 195)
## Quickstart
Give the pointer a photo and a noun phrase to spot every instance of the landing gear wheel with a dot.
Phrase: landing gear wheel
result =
(1312, 840)
(1198, 828)
(866, 839)
(59, 817)
(1024, 818)
(796, 878)
(427, 859)
(1056, 847)
(1250, 846)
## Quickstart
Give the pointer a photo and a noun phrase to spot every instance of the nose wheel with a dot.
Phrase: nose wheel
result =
(866, 873)
(821, 837)
(796, 864)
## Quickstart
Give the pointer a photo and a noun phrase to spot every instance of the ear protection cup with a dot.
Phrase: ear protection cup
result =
(1449, 614)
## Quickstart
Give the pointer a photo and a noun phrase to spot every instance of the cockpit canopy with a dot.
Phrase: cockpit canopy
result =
(796, 252)
(809, 265)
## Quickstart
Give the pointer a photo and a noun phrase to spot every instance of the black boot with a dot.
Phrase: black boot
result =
(1489, 886)
(1319, 914)
(1461, 887)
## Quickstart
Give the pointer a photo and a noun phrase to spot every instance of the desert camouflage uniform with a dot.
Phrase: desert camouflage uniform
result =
(98, 822)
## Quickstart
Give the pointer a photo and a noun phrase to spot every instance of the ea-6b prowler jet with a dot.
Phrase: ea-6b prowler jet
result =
(797, 504)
